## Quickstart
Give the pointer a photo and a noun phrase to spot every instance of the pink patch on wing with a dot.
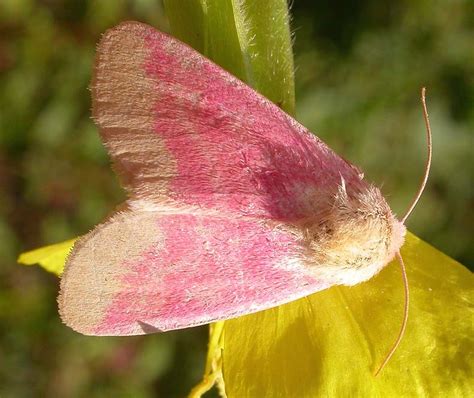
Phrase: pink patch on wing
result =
(234, 150)
(206, 268)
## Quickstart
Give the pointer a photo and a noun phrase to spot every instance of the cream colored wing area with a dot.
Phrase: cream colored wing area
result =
(123, 101)
(91, 277)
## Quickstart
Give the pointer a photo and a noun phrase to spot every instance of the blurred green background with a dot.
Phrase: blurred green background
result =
(360, 66)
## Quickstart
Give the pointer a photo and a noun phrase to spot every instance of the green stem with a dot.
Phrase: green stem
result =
(251, 39)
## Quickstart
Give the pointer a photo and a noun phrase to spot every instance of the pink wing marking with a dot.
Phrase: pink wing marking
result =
(200, 136)
(208, 268)
(233, 148)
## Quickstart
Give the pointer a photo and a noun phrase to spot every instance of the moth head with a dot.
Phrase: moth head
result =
(353, 236)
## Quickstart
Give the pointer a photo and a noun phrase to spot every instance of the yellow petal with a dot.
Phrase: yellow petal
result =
(329, 344)
(52, 258)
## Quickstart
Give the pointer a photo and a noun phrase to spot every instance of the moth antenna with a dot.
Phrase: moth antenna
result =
(428, 160)
(407, 214)
(405, 317)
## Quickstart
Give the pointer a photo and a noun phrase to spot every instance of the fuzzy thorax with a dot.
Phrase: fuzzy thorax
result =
(353, 236)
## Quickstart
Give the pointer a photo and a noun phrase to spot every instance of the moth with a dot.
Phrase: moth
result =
(233, 206)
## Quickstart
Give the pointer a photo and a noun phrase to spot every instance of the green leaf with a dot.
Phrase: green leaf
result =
(52, 258)
(250, 39)
(328, 344)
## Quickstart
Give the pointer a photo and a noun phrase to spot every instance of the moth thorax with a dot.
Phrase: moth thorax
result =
(354, 235)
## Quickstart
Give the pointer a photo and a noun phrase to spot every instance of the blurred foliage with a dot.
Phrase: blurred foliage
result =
(360, 66)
